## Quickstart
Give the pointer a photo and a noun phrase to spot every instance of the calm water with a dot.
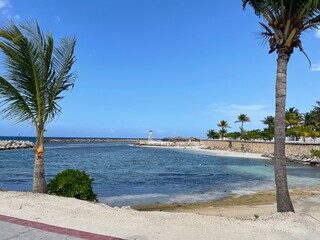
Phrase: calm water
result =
(129, 175)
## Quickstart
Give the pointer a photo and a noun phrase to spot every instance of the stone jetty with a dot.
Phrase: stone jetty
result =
(89, 140)
(14, 144)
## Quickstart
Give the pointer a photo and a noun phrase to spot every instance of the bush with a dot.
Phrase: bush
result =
(72, 183)
(315, 153)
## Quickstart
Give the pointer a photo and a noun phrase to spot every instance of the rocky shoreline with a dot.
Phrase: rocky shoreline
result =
(301, 159)
(14, 144)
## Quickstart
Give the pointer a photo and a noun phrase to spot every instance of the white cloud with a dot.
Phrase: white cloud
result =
(4, 3)
(317, 33)
(234, 109)
(315, 67)
(6, 12)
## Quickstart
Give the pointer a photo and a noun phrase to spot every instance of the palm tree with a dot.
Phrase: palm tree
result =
(36, 74)
(286, 21)
(224, 125)
(293, 117)
(211, 133)
(242, 118)
(313, 117)
(269, 121)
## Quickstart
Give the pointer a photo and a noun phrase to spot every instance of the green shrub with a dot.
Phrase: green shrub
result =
(315, 153)
(72, 183)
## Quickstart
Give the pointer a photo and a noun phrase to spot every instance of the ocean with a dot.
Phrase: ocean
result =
(128, 175)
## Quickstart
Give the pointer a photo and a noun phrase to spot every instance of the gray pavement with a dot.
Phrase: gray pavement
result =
(15, 231)
(16, 228)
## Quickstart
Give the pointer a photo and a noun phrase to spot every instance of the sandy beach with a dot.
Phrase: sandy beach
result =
(216, 152)
(131, 224)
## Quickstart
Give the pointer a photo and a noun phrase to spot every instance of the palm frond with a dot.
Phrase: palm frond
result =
(62, 80)
(15, 106)
(35, 72)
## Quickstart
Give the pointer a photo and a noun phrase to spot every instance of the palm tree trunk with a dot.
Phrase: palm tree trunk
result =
(241, 130)
(284, 203)
(39, 181)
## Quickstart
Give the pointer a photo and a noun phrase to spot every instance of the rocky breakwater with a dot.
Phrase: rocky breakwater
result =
(301, 159)
(13, 144)
(89, 140)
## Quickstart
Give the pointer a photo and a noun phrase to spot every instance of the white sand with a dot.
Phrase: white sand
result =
(225, 153)
(130, 224)
(215, 152)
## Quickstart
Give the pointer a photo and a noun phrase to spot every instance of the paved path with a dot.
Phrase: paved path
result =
(15, 228)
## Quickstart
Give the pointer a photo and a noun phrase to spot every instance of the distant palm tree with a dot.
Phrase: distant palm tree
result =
(293, 117)
(224, 125)
(286, 21)
(242, 118)
(36, 74)
(313, 117)
(269, 121)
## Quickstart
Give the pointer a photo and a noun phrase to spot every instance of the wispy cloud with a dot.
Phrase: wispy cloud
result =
(6, 10)
(230, 112)
(315, 67)
(317, 33)
(4, 4)
(234, 109)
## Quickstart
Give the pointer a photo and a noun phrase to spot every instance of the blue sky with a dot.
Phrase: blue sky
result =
(177, 67)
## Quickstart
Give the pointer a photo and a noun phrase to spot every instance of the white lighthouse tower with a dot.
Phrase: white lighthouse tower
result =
(150, 136)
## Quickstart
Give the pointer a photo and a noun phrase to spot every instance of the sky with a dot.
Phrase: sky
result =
(177, 67)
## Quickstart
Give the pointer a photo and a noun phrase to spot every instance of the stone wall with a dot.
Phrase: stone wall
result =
(292, 148)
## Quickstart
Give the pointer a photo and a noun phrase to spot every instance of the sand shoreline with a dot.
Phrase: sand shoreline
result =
(263, 202)
(213, 152)
(131, 224)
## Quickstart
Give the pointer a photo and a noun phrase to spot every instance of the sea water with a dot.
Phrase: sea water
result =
(128, 175)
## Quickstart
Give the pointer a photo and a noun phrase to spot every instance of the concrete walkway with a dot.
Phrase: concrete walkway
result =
(15, 228)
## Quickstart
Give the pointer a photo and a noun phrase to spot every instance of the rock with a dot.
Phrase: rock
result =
(13, 144)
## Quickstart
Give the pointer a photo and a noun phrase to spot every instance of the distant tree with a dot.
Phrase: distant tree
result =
(36, 75)
(313, 117)
(233, 135)
(212, 134)
(224, 125)
(242, 118)
(305, 131)
(269, 121)
(257, 134)
(294, 132)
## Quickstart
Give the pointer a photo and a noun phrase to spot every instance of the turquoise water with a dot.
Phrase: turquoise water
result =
(129, 175)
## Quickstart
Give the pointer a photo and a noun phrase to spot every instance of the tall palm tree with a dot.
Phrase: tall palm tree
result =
(224, 125)
(36, 75)
(285, 20)
(269, 121)
(242, 118)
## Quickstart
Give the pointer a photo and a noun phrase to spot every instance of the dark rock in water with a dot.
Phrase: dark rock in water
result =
(13, 144)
